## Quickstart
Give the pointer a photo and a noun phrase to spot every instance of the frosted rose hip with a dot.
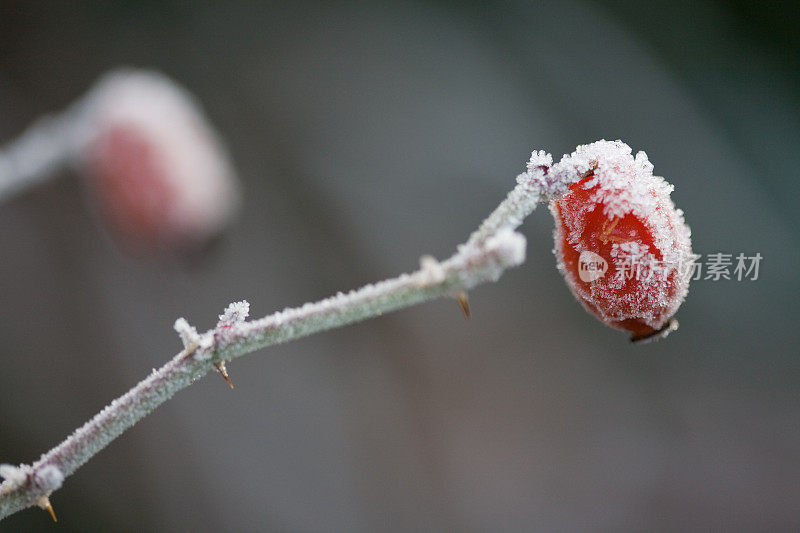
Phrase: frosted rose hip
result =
(157, 171)
(622, 246)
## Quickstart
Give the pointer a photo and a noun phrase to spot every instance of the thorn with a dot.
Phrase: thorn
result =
(223, 372)
(52, 512)
(461, 296)
(44, 503)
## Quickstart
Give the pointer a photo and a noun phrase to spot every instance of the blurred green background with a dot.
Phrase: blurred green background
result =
(367, 134)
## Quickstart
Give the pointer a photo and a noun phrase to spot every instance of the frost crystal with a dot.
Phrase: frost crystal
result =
(431, 269)
(234, 313)
(509, 247)
(14, 475)
(49, 478)
(539, 177)
(187, 333)
(230, 322)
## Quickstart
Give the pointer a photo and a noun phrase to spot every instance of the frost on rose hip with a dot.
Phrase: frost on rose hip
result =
(158, 173)
(622, 246)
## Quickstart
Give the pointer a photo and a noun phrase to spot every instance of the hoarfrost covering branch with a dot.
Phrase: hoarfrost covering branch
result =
(494, 247)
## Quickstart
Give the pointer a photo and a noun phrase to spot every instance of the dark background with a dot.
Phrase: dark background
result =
(365, 135)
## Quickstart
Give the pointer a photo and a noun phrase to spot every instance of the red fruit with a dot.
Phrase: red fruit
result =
(622, 246)
(157, 171)
(131, 193)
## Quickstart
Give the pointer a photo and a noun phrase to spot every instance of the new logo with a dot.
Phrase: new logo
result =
(591, 266)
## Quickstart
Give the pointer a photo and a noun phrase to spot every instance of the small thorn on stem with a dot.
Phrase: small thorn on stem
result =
(461, 296)
(223, 372)
(44, 503)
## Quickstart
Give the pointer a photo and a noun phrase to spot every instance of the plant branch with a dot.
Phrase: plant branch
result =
(490, 250)
(48, 145)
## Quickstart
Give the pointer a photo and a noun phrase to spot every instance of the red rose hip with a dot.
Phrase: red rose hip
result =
(157, 171)
(622, 246)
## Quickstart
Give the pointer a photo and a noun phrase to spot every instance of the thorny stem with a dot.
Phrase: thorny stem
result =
(490, 250)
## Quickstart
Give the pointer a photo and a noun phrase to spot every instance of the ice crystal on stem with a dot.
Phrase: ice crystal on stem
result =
(187, 333)
(39, 482)
(233, 314)
(46, 479)
(14, 476)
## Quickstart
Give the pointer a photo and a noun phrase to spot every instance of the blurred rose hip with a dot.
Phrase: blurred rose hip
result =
(621, 244)
(159, 175)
